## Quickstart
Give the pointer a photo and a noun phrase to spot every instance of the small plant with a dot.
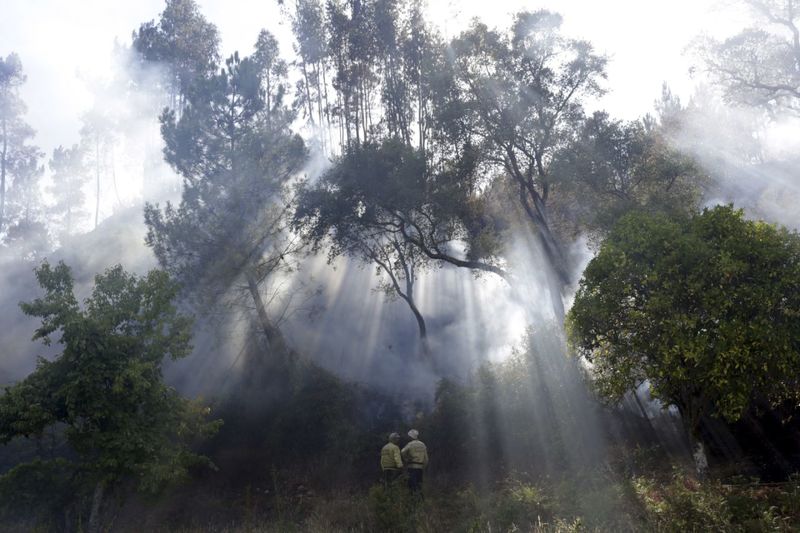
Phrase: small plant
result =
(391, 507)
(520, 504)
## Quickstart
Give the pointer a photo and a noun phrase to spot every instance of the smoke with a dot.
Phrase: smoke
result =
(132, 171)
(752, 162)
(356, 333)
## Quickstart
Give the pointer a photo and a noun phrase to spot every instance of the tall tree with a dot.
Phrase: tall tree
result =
(98, 135)
(18, 159)
(236, 158)
(352, 208)
(308, 25)
(183, 41)
(272, 70)
(27, 235)
(519, 99)
(69, 175)
(424, 67)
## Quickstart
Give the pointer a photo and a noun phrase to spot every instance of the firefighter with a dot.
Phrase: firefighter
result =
(415, 455)
(391, 461)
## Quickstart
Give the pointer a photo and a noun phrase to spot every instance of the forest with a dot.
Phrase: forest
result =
(247, 280)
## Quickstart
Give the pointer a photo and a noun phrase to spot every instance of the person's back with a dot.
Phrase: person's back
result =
(416, 457)
(391, 460)
(416, 454)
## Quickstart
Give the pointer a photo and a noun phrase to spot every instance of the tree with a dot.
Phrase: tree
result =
(273, 71)
(26, 233)
(236, 158)
(18, 160)
(97, 140)
(353, 208)
(759, 66)
(182, 40)
(379, 204)
(69, 174)
(613, 167)
(704, 309)
(309, 28)
(105, 388)
(518, 99)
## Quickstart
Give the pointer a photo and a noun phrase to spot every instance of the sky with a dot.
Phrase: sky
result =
(64, 45)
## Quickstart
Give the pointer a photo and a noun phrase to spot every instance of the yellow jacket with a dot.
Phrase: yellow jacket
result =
(416, 454)
(390, 457)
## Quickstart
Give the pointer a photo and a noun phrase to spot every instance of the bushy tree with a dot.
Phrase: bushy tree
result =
(354, 208)
(518, 96)
(613, 167)
(236, 157)
(380, 204)
(704, 309)
(105, 388)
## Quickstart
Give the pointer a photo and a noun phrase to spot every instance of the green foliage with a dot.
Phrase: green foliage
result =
(105, 388)
(614, 167)
(520, 504)
(392, 507)
(234, 149)
(703, 308)
(382, 204)
(45, 487)
(684, 504)
(183, 40)
(519, 97)
(317, 420)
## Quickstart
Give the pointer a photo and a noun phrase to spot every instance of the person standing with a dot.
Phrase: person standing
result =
(391, 461)
(415, 454)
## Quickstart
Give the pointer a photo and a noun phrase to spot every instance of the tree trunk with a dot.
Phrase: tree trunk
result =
(699, 456)
(114, 176)
(97, 502)
(308, 93)
(423, 330)
(691, 422)
(272, 334)
(320, 112)
(327, 107)
(97, 175)
(3, 174)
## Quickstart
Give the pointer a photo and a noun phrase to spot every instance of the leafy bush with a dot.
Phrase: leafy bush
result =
(391, 507)
(520, 504)
(684, 504)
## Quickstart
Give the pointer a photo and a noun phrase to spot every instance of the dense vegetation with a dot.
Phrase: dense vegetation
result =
(382, 143)
(702, 309)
